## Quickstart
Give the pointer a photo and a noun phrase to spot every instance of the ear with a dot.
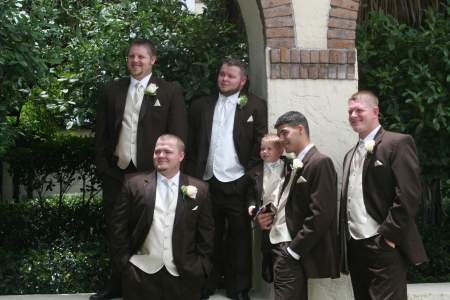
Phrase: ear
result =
(243, 80)
(153, 60)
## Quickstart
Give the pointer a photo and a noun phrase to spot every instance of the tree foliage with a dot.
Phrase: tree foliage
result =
(409, 69)
(59, 54)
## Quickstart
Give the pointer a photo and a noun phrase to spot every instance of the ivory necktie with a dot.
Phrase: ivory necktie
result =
(224, 109)
(170, 194)
(139, 93)
(358, 157)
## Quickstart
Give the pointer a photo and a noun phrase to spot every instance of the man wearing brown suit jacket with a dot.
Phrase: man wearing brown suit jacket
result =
(303, 225)
(380, 198)
(224, 140)
(128, 123)
(162, 229)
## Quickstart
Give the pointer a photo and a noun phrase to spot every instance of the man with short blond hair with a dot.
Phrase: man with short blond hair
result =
(379, 200)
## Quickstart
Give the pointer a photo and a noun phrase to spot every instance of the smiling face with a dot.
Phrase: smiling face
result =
(167, 157)
(290, 137)
(230, 80)
(270, 152)
(140, 62)
(363, 117)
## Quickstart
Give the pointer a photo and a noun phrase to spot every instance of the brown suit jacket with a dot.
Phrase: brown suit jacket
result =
(154, 121)
(247, 135)
(193, 233)
(311, 216)
(392, 193)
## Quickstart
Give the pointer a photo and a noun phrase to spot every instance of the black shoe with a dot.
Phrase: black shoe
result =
(267, 268)
(204, 294)
(241, 295)
(106, 295)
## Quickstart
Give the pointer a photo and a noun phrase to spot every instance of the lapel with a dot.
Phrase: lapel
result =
(180, 202)
(347, 164)
(150, 195)
(239, 119)
(121, 99)
(259, 178)
(209, 115)
(151, 99)
(367, 161)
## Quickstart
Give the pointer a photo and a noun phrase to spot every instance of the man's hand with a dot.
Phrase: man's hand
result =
(265, 220)
(390, 243)
(250, 211)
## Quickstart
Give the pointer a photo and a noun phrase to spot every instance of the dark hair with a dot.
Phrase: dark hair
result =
(238, 63)
(144, 43)
(293, 119)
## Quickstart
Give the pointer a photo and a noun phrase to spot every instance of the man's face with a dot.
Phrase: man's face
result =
(230, 80)
(362, 117)
(269, 152)
(167, 158)
(140, 62)
(290, 137)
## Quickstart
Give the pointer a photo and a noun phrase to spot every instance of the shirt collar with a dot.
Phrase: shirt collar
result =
(175, 179)
(371, 136)
(270, 164)
(302, 154)
(233, 98)
(144, 81)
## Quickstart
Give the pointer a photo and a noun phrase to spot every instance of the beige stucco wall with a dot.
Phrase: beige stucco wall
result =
(311, 23)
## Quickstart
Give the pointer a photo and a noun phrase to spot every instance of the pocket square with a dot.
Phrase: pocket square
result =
(195, 208)
(378, 163)
(250, 119)
(301, 179)
(157, 103)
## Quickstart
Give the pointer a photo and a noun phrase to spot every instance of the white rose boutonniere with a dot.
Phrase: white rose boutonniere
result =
(369, 145)
(190, 191)
(296, 164)
(241, 101)
(151, 89)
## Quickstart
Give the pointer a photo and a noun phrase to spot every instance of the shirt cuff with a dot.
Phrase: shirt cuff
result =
(294, 255)
(251, 206)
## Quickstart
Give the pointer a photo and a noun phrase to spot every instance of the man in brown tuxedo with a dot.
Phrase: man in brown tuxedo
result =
(128, 123)
(162, 229)
(380, 197)
(225, 131)
(303, 224)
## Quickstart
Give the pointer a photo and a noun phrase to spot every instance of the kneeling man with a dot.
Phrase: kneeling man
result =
(162, 229)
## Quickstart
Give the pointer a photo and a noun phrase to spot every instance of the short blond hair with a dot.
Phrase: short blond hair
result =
(179, 142)
(367, 97)
(272, 138)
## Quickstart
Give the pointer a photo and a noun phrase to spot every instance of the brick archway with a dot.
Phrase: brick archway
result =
(288, 62)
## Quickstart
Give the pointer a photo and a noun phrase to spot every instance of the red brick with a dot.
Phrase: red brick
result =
(275, 55)
(341, 44)
(343, 13)
(342, 56)
(280, 32)
(279, 22)
(284, 71)
(285, 55)
(333, 57)
(341, 34)
(280, 43)
(342, 23)
(323, 71)
(324, 56)
(282, 11)
(304, 71)
(351, 74)
(314, 71)
(332, 71)
(295, 55)
(348, 4)
(314, 56)
(294, 71)
(351, 56)
(305, 56)
(275, 71)
(342, 71)
(273, 3)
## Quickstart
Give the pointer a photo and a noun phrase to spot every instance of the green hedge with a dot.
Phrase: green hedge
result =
(45, 252)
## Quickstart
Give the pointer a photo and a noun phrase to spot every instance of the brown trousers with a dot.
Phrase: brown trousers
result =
(377, 270)
(138, 285)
